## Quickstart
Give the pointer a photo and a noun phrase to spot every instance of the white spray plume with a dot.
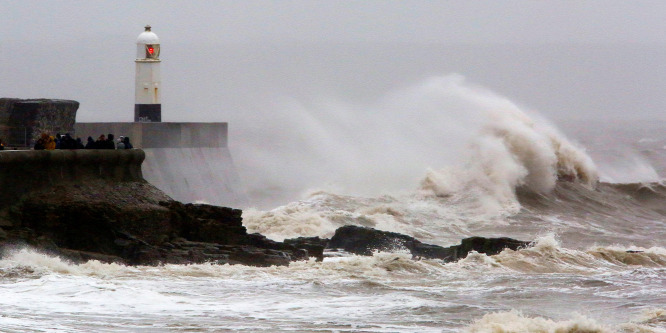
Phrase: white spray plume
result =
(443, 122)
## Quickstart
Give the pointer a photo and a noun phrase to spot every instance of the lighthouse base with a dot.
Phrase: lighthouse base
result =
(148, 113)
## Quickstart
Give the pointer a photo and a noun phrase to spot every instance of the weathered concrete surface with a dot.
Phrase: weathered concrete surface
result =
(160, 135)
(23, 120)
(25, 171)
(195, 175)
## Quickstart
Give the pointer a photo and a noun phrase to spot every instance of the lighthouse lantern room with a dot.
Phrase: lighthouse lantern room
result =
(147, 106)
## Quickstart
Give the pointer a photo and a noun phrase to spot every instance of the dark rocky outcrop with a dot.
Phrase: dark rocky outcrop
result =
(123, 222)
(94, 204)
(23, 120)
(314, 245)
(363, 241)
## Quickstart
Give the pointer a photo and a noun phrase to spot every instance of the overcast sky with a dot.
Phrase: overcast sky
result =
(366, 21)
(220, 58)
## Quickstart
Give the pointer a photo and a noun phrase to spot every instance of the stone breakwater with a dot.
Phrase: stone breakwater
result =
(95, 204)
(22, 121)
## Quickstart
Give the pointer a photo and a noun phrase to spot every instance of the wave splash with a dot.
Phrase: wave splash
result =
(510, 150)
(515, 321)
(546, 256)
(651, 321)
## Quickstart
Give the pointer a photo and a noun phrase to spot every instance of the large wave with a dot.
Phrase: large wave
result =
(473, 137)
(511, 150)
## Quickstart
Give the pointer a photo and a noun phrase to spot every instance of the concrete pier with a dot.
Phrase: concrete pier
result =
(29, 170)
(188, 161)
(160, 135)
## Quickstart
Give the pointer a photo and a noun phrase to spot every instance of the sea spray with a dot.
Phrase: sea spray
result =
(515, 321)
(385, 147)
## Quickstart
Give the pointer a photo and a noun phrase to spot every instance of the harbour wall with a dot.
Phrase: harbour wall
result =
(160, 135)
(24, 171)
(188, 161)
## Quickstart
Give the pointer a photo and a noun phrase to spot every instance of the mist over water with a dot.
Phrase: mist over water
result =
(387, 147)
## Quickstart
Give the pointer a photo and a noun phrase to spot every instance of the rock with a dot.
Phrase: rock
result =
(364, 241)
(134, 223)
(314, 245)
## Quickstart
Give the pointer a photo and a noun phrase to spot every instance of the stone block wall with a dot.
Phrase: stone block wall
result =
(22, 121)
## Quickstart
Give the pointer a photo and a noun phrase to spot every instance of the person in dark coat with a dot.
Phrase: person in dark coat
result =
(109, 142)
(101, 142)
(79, 144)
(90, 144)
(67, 142)
(126, 141)
(58, 141)
(41, 142)
(2, 145)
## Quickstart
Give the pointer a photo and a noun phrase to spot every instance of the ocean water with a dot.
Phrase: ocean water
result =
(590, 195)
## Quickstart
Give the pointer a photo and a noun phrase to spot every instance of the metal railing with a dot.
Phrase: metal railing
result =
(16, 137)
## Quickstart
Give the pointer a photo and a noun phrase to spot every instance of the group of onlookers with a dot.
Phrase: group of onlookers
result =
(49, 142)
(108, 142)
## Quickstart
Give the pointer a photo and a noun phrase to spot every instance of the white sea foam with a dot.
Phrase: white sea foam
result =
(515, 321)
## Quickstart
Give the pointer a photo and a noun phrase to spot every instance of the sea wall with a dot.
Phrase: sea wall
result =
(160, 135)
(195, 175)
(22, 172)
(188, 161)
(22, 121)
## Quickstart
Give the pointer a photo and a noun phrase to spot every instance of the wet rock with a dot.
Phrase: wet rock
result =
(314, 245)
(133, 223)
(364, 241)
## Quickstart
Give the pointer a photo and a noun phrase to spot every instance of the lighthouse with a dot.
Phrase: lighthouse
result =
(197, 166)
(147, 105)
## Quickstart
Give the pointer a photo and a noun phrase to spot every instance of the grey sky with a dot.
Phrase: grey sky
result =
(308, 86)
(343, 21)
(563, 58)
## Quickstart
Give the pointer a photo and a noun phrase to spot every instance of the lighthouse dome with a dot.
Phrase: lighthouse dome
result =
(148, 37)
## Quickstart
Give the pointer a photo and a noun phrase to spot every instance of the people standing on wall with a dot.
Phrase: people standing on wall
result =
(90, 144)
(41, 142)
(126, 141)
(101, 142)
(67, 142)
(110, 144)
(50, 143)
(121, 143)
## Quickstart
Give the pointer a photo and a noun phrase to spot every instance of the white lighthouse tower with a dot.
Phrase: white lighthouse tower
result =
(147, 105)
